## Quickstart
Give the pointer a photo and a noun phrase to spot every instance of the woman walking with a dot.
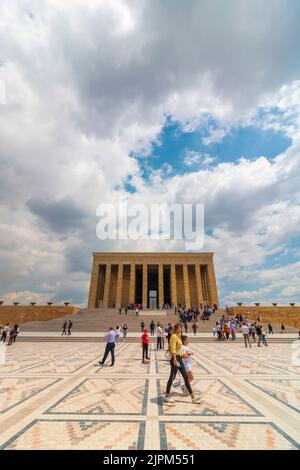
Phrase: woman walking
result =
(177, 363)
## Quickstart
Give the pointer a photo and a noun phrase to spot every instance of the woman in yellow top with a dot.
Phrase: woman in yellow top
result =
(177, 363)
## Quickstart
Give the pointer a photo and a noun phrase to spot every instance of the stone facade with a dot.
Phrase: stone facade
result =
(25, 313)
(152, 279)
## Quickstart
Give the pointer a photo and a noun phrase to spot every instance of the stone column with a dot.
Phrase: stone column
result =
(199, 284)
(173, 285)
(212, 284)
(186, 286)
(107, 285)
(145, 286)
(119, 286)
(161, 297)
(92, 302)
(132, 284)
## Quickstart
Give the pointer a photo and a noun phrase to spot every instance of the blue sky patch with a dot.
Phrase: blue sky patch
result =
(186, 151)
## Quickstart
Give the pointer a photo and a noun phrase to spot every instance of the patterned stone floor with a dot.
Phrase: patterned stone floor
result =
(55, 396)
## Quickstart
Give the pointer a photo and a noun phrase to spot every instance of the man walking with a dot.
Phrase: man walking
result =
(253, 332)
(260, 336)
(245, 331)
(5, 332)
(64, 329)
(110, 347)
(152, 327)
(70, 326)
(160, 333)
(142, 326)
(12, 336)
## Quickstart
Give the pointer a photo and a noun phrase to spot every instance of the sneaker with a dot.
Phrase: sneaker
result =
(169, 400)
(196, 400)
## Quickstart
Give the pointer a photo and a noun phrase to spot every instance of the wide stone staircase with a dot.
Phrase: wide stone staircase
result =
(99, 320)
(96, 320)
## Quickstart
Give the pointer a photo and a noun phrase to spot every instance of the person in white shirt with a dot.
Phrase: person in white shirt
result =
(5, 332)
(118, 332)
(159, 335)
(245, 331)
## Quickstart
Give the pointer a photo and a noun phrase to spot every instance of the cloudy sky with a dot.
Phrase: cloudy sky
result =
(154, 100)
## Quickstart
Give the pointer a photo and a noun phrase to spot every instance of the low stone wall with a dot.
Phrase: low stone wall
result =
(289, 315)
(25, 313)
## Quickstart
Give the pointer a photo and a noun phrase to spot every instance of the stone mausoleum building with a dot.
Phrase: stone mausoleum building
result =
(152, 279)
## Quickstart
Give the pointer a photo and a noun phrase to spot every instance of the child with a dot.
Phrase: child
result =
(187, 360)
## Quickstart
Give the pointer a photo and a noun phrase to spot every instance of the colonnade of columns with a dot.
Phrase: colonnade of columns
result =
(188, 283)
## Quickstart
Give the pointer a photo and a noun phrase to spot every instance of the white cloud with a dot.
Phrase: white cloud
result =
(195, 158)
(25, 297)
(90, 82)
(191, 157)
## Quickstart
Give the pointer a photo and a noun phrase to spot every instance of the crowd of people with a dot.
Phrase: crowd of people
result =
(202, 312)
(178, 350)
(227, 328)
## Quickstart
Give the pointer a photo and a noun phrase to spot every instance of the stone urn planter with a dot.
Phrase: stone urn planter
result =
(292, 304)
(66, 303)
(257, 304)
(239, 304)
(49, 303)
(16, 303)
(274, 304)
(1, 302)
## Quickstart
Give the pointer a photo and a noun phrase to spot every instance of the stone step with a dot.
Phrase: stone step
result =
(96, 339)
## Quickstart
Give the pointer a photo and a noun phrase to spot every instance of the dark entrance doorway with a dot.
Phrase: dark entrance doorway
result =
(152, 294)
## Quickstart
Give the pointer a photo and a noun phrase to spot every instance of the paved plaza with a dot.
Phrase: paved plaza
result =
(53, 395)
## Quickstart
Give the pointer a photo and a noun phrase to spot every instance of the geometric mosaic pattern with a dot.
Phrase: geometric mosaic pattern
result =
(223, 436)
(217, 399)
(79, 435)
(14, 391)
(287, 391)
(105, 396)
(54, 395)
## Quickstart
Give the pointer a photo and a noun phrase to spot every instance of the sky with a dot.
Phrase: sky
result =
(150, 100)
